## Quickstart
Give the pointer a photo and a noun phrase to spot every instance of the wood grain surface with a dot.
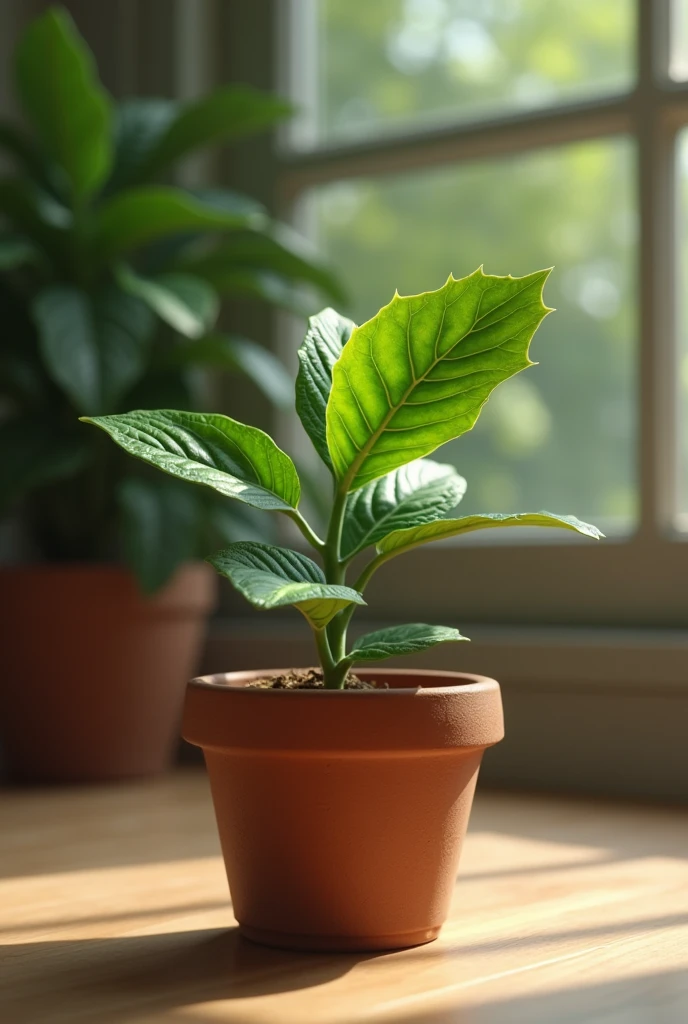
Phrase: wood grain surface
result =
(114, 910)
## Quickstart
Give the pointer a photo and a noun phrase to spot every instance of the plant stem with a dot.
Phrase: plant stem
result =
(308, 532)
(334, 673)
(335, 572)
(372, 567)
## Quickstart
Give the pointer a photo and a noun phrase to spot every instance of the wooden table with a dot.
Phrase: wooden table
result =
(114, 910)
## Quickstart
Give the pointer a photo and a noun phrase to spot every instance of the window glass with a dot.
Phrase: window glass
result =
(678, 50)
(389, 65)
(560, 436)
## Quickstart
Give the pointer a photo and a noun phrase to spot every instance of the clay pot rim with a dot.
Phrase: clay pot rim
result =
(232, 682)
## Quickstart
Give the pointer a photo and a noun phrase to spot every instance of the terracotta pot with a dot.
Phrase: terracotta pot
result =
(342, 813)
(93, 673)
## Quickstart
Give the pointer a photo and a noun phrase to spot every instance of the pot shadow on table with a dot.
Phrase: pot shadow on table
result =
(115, 981)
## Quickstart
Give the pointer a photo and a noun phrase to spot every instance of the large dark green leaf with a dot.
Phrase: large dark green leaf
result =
(271, 577)
(398, 640)
(418, 493)
(204, 448)
(17, 252)
(228, 522)
(226, 114)
(228, 352)
(34, 452)
(59, 89)
(160, 521)
(260, 285)
(22, 376)
(16, 142)
(327, 333)
(418, 373)
(281, 252)
(37, 215)
(94, 347)
(139, 124)
(186, 303)
(442, 529)
(134, 218)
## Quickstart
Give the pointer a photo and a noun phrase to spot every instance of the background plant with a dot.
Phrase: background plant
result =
(374, 400)
(110, 288)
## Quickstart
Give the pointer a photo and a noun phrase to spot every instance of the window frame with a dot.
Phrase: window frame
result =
(637, 579)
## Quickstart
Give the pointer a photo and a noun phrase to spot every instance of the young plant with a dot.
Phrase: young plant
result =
(374, 400)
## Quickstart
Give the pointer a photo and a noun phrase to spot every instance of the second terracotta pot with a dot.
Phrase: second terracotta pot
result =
(342, 813)
(92, 673)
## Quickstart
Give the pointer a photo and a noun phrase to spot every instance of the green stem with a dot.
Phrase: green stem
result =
(372, 567)
(335, 571)
(308, 532)
(334, 673)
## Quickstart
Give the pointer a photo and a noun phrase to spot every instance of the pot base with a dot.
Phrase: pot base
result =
(339, 943)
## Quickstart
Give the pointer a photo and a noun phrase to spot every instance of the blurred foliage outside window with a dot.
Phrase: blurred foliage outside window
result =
(566, 436)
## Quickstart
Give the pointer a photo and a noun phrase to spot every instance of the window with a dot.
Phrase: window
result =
(439, 134)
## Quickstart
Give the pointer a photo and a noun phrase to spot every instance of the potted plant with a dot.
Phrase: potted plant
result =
(110, 286)
(342, 801)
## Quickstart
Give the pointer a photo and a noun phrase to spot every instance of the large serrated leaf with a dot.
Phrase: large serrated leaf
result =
(404, 540)
(94, 347)
(398, 640)
(234, 459)
(271, 577)
(59, 89)
(327, 334)
(409, 496)
(418, 373)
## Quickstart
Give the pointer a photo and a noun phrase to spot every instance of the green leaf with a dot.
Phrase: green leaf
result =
(186, 303)
(281, 252)
(228, 522)
(404, 540)
(17, 252)
(160, 520)
(234, 459)
(224, 115)
(35, 452)
(327, 334)
(228, 352)
(133, 218)
(418, 493)
(139, 124)
(271, 577)
(263, 287)
(37, 215)
(233, 202)
(418, 373)
(94, 347)
(15, 141)
(59, 89)
(398, 640)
